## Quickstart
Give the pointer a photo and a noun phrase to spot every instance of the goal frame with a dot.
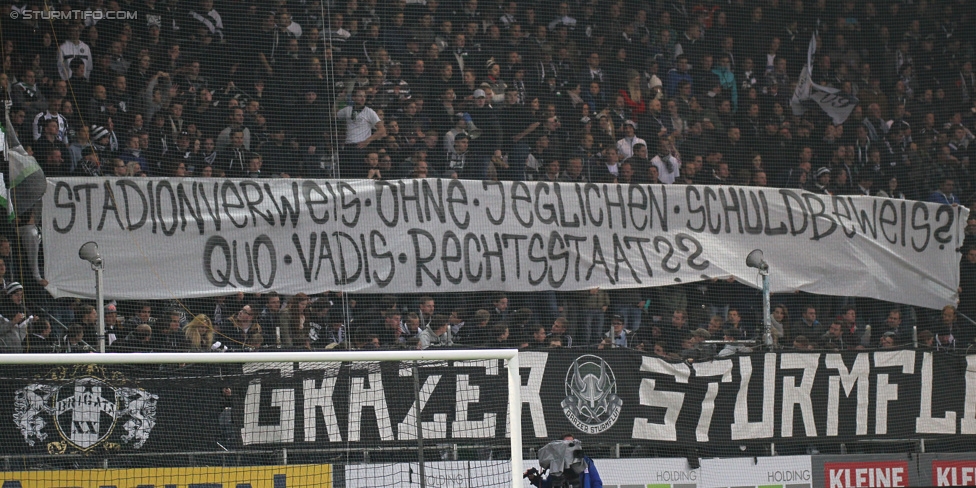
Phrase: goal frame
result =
(510, 355)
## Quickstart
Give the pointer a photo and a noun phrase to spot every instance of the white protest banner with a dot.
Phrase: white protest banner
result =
(164, 238)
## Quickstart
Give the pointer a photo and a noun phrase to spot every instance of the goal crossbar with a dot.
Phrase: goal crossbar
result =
(510, 355)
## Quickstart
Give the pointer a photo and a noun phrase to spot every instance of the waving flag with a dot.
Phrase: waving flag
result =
(837, 105)
(27, 182)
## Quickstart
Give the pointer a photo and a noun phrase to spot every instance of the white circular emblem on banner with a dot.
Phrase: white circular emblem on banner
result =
(591, 402)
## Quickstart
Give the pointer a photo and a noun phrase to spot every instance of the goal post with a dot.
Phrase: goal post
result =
(32, 402)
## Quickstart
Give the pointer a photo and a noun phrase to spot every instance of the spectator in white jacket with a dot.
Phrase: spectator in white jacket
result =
(437, 334)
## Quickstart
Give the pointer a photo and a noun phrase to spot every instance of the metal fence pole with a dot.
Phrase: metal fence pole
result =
(420, 431)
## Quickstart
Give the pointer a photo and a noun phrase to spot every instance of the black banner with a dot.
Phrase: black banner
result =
(611, 396)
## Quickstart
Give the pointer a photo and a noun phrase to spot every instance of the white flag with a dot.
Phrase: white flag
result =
(4, 192)
(837, 105)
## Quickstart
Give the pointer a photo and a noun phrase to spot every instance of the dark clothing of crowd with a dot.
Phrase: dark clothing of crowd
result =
(686, 92)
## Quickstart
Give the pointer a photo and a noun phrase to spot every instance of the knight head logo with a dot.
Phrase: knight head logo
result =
(86, 409)
(591, 402)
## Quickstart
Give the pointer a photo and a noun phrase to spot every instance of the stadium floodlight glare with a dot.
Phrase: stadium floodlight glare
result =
(89, 252)
(755, 260)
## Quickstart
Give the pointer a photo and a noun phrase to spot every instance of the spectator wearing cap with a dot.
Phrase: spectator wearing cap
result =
(362, 126)
(485, 118)
(461, 122)
(489, 94)
(494, 81)
(889, 340)
(625, 145)
(13, 319)
(821, 184)
(100, 139)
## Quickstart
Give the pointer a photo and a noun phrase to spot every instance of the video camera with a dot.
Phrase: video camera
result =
(564, 461)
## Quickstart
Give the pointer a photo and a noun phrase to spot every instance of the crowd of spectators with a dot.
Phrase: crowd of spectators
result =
(587, 90)
(626, 91)
(687, 322)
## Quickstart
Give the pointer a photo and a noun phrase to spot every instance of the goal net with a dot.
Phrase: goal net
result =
(343, 419)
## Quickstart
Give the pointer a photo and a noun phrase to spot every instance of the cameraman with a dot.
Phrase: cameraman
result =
(588, 477)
